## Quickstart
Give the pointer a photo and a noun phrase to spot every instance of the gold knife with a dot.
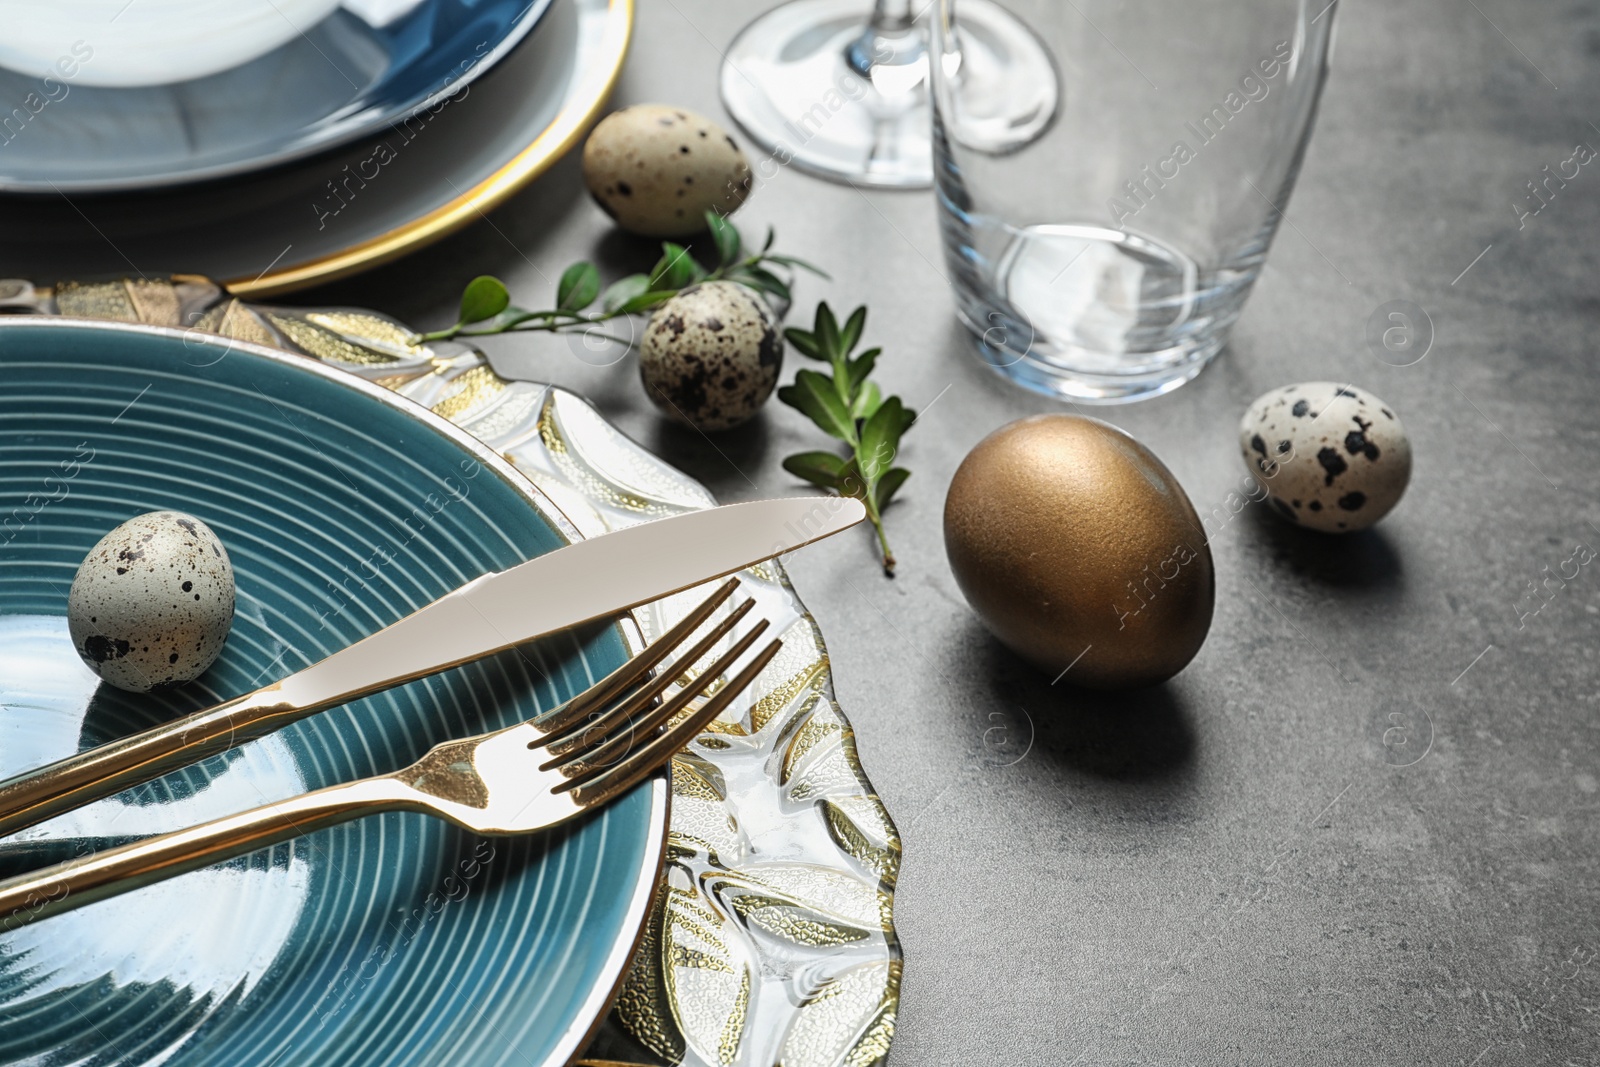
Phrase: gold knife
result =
(578, 583)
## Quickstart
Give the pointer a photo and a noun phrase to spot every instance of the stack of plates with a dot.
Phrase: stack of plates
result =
(364, 131)
(393, 941)
(305, 140)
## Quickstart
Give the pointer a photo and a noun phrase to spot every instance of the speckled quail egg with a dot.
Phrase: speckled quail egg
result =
(657, 170)
(1330, 457)
(711, 355)
(152, 602)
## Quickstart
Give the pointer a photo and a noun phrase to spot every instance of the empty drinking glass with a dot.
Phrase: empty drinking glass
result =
(1105, 258)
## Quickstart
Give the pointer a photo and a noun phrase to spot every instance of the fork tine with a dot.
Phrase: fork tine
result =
(613, 749)
(646, 760)
(598, 730)
(559, 721)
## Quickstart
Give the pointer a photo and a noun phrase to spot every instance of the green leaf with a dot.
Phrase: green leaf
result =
(766, 246)
(852, 330)
(880, 438)
(819, 468)
(675, 270)
(768, 282)
(579, 285)
(866, 401)
(805, 342)
(851, 483)
(889, 485)
(861, 366)
(623, 290)
(483, 298)
(813, 394)
(726, 237)
(644, 301)
(846, 404)
(795, 261)
(827, 330)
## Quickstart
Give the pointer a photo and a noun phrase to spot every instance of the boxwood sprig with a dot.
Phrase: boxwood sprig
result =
(846, 405)
(581, 304)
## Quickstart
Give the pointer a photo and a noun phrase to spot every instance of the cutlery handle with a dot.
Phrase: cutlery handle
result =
(368, 666)
(77, 882)
(44, 792)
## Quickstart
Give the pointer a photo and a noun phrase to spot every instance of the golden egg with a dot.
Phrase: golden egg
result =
(1080, 551)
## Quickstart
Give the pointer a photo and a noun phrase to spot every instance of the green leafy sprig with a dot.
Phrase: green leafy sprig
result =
(844, 404)
(581, 304)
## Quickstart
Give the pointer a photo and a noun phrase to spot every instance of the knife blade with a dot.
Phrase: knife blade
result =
(575, 584)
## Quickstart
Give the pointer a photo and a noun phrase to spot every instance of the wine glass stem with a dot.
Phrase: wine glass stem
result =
(892, 16)
(890, 38)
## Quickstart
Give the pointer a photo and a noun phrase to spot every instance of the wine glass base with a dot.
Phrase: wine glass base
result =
(788, 81)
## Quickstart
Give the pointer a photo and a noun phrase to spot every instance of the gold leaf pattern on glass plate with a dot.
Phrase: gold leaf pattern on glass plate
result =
(469, 392)
(794, 925)
(818, 730)
(96, 300)
(179, 301)
(643, 1002)
(805, 920)
(591, 454)
(514, 409)
(571, 469)
(701, 819)
(571, 503)
(706, 973)
(744, 961)
(21, 296)
(369, 331)
(233, 319)
(766, 572)
(821, 762)
(153, 301)
(849, 1021)
(801, 667)
(830, 895)
(863, 830)
(322, 342)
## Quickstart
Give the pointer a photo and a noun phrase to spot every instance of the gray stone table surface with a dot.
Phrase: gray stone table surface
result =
(1230, 869)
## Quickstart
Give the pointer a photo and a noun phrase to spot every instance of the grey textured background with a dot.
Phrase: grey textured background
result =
(1228, 869)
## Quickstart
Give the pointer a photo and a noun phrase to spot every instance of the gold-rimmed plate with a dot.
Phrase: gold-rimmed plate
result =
(392, 941)
(343, 212)
(772, 936)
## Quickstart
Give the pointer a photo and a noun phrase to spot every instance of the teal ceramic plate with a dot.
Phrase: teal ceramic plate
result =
(393, 940)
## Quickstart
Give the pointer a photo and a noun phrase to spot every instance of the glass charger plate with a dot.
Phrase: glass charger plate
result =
(772, 939)
(358, 206)
(396, 940)
(363, 68)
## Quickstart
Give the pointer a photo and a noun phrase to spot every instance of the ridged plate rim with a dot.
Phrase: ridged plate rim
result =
(598, 1004)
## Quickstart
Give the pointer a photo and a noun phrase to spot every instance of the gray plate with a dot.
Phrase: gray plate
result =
(340, 212)
(338, 80)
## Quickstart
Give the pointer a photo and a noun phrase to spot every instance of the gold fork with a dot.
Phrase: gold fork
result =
(602, 742)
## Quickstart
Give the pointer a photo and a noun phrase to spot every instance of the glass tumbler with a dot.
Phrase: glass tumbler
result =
(1104, 258)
